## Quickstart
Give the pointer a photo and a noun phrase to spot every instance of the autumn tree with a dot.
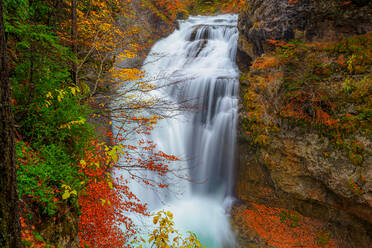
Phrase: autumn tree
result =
(74, 37)
(10, 235)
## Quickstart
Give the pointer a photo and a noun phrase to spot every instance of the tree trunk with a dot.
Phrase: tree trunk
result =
(10, 232)
(74, 37)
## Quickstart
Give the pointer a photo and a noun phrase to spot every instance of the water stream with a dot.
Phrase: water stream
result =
(200, 57)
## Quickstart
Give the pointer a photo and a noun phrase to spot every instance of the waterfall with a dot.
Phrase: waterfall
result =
(197, 62)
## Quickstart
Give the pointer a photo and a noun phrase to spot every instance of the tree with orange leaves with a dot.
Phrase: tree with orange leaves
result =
(104, 203)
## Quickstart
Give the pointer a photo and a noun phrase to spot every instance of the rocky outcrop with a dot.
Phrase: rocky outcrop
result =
(292, 173)
(288, 158)
(310, 20)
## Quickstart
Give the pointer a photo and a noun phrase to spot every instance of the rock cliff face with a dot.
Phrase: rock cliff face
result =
(305, 120)
(310, 20)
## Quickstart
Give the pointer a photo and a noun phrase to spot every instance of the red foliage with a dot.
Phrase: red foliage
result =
(300, 100)
(104, 203)
(283, 229)
(262, 63)
(276, 42)
(106, 200)
(28, 237)
(143, 154)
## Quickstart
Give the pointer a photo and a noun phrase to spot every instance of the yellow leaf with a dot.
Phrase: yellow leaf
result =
(115, 157)
(83, 163)
(66, 195)
(170, 215)
(155, 220)
(73, 192)
(66, 186)
(191, 238)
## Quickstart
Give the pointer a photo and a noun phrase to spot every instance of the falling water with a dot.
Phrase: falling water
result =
(200, 57)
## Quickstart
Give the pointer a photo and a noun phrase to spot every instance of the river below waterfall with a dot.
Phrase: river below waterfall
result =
(197, 62)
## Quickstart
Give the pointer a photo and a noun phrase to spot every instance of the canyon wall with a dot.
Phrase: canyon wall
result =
(305, 118)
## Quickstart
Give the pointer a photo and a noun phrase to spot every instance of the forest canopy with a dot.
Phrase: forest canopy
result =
(62, 73)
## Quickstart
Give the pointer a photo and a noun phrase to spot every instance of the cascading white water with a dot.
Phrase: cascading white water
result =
(200, 55)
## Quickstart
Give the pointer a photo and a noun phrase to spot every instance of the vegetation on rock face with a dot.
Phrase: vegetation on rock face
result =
(321, 87)
(282, 228)
(305, 122)
(323, 20)
(307, 89)
(215, 6)
(168, 10)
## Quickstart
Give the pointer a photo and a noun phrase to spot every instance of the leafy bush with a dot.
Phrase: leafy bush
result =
(41, 175)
